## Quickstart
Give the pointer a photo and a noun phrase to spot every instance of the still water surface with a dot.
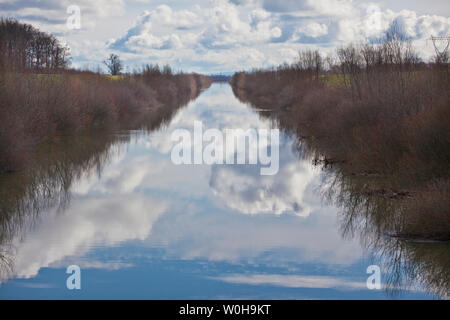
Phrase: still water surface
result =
(142, 227)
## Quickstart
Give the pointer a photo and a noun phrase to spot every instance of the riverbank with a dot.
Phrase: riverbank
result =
(37, 107)
(383, 131)
(50, 163)
(41, 98)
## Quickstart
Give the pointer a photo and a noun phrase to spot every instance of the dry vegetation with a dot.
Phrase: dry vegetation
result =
(40, 98)
(379, 116)
(43, 104)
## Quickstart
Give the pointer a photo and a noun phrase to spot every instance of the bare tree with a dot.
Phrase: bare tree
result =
(113, 64)
(350, 61)
(24, 48)
(310, 62)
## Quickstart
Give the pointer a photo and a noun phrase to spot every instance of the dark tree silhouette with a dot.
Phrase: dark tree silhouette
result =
(113, 64)
(24, 48)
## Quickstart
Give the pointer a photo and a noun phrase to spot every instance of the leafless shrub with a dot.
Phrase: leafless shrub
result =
(384, 113)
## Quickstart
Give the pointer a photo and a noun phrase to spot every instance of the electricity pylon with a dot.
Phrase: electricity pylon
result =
(441, 54)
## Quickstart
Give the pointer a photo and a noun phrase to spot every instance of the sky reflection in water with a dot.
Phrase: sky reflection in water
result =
(147, 228)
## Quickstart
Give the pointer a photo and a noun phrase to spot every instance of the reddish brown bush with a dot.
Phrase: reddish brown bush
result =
(35, 107)
(386, 114)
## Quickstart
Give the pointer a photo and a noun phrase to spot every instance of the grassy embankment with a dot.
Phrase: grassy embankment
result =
(380, 120)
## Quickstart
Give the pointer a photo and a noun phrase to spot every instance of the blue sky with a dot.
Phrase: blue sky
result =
(225, 35)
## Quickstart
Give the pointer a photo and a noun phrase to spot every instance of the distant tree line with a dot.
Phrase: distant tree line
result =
(24, 48)
(220, 78)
